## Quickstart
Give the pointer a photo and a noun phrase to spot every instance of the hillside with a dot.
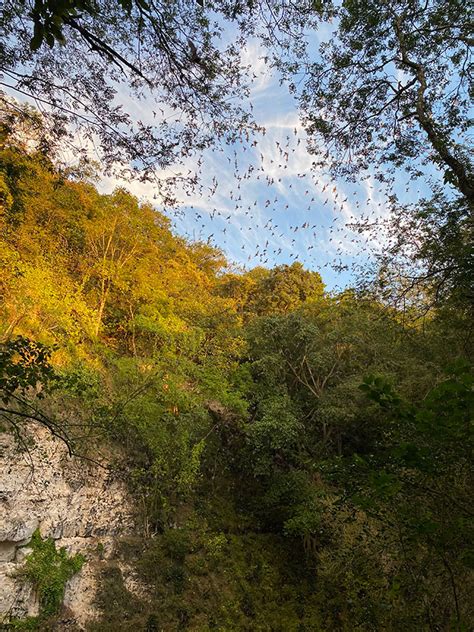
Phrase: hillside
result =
(288, 459)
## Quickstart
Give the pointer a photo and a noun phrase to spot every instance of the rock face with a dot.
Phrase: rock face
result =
(78, 504)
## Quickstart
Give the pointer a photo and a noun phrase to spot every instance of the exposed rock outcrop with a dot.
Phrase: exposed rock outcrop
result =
(74, 502)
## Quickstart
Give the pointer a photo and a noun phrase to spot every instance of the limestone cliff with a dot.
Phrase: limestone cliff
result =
(78, 504)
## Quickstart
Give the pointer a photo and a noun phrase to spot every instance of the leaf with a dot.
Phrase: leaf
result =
(50, 39)
(37, 38)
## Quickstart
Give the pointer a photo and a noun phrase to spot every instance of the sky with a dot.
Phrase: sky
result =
(263, 202)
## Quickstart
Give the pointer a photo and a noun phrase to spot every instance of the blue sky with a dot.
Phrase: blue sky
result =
(262, 201)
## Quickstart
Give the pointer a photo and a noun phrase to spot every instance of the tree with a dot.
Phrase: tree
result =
(317, 355)
(26, 375)
(117, 239)
(417, 482)
(392, 86)
(74, 58)
(389, 90)
(283, 289)
(428, 259)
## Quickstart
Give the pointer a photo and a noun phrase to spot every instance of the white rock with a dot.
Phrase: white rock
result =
(72, 501)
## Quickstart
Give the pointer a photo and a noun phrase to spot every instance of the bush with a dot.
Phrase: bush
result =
(48, 570)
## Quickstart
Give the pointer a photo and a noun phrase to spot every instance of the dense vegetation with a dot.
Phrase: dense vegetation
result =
(298, 460)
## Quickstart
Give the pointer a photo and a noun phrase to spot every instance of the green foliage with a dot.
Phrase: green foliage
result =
(208, 580)
(298, 461)
(283, 289)
(27, 376)
(417, 477)
(48, 570)
(22, 625)
(24, 364)
(438, 427)
(275, 434)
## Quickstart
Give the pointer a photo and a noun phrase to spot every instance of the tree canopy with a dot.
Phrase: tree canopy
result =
(79, 60)
(309, 453)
